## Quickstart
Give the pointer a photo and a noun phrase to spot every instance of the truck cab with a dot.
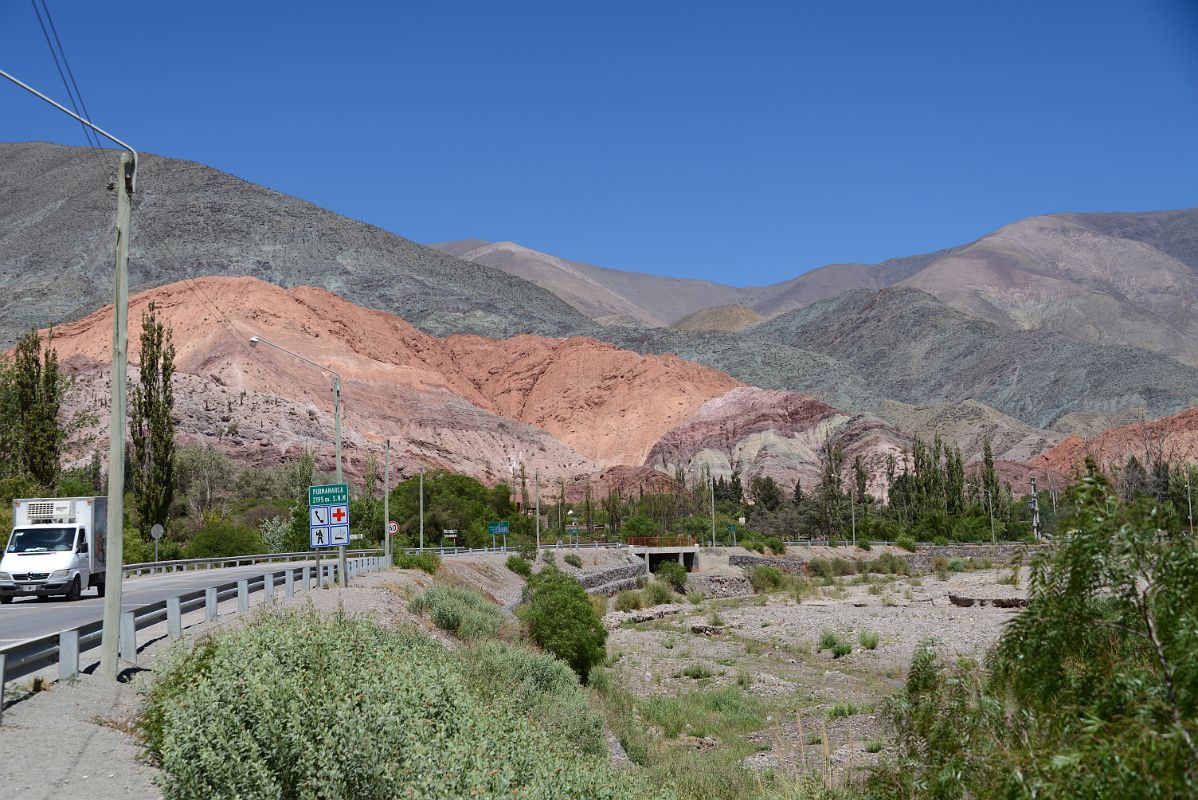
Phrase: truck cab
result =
(56, 548)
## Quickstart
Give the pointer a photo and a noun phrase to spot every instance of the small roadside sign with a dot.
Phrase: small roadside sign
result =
(497, 528)
(328, 515)
(392, 528)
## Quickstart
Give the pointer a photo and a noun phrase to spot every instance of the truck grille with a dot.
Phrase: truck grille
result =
(30, 576)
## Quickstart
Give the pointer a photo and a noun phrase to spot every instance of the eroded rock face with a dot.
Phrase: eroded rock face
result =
(563, 408)
(1173, 438)
(775, 433)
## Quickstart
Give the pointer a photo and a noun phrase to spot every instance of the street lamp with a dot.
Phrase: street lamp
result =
(125, 184)
(257, 340)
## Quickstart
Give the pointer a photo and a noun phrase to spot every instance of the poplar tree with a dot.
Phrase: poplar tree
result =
(150, 423)
(31, 393)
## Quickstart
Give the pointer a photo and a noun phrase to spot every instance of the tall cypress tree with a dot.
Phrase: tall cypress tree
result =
(151, 427)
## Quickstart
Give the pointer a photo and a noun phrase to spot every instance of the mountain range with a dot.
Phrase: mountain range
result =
(1050, 326)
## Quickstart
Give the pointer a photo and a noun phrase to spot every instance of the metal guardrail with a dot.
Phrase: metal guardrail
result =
(65, 647)
(185, 564)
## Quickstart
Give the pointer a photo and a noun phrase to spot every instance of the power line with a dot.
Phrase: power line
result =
(74, 94)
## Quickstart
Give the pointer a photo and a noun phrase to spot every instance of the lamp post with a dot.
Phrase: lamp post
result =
(257, 340)
(126, 184)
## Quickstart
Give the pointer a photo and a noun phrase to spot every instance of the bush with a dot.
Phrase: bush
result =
(547, 556)
(775, 546)
(843, 710)
(842, 567)
(695, 671)
(841, 649)
(658, 593)
(429, 562)
(519, 566)
(305, 705)
(460, 611)
(957, 565)
(561, 619)
(220, 539)
(599, 603)
(674, 574)
(765, 578)
(629, 600)
(537, 687)
(889, 564)
(573, 560)
(907, 543)
(695, 598)
(868, 640)
(828, 640)
(820, 568)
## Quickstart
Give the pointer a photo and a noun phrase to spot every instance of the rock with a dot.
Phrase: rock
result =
(707, 630)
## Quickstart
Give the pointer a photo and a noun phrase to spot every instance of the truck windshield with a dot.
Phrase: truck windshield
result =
(42, 540)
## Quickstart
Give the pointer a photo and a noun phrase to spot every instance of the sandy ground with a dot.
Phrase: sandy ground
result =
(775, 648)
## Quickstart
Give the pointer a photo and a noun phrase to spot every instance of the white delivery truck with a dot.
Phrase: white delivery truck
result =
(57, 547)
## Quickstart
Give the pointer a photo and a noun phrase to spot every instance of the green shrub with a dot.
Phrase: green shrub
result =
(873, 746)
(842, 567)
(561, 619)
(429, 562)
(547, 556)
(940, 541)
(889, 564)
(863, 543)
(907, 543)
(629, 600)
(599, 603)
(843, 710)
(573, 560)
(674, 574)
(765, 578)
(775, 545)
(828, 640)
(312, 706)
(695, 671)
(868, 640)
(841, 649)
(219, 539)
(463, 612)
(695, 598)
(657, 593)
(519, 566)
(957, 565)
(538, 687)
(527, 551)
(820, 568)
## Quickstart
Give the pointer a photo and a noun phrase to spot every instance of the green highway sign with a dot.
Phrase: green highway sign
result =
(497, 528)
(328, 494)
(731, 529)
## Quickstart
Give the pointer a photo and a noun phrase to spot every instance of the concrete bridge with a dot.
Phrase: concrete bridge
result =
(656, 549)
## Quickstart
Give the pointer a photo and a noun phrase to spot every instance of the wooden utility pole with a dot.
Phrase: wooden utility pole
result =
(114, 558)
(536, 489)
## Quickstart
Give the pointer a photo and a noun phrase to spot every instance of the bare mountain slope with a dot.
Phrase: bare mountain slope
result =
(907, 345)
(609, 296)
(720, 318)
(56, 248)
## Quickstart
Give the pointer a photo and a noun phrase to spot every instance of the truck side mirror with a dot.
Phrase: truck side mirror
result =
(83, 547)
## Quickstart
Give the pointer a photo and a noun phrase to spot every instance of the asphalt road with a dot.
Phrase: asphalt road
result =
(29, 618)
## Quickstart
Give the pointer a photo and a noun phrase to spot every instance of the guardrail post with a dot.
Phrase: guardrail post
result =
(289, 583)
(243, 595)
(174, 618)
(268, 587)
(210, 603)
(68, 655)
(306, 579)
(128, 637)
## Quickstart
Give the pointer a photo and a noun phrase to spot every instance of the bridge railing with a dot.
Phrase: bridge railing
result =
(661, 541)
(65, 647)
(185, 564)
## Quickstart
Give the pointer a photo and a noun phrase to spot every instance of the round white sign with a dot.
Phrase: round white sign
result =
(392, 527)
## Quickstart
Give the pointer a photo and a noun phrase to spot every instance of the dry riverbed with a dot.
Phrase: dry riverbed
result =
(821, 711)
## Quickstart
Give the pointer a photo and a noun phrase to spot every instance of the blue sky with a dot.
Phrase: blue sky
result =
(743, 142)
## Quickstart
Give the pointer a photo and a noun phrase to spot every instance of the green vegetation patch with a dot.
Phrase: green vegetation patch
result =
(429, 562)
(463, 612)
(718, 712)
(519, 566)
(310, 706)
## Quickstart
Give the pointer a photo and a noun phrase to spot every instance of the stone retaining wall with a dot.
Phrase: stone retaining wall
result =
(921, 560)
(594, 579)
(719, 585)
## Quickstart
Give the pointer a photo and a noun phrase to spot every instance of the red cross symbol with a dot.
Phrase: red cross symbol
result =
(338, 515)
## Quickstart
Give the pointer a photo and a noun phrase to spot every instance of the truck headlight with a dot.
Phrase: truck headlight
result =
(60, 573)
(5, 576)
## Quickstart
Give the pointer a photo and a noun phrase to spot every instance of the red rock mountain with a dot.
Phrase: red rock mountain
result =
(1173, 438)
(561, 407)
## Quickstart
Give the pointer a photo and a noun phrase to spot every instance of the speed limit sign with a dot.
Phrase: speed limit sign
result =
(392, 528)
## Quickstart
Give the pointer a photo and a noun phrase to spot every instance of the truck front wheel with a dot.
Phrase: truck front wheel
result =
(5, 599)
(73, 592)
